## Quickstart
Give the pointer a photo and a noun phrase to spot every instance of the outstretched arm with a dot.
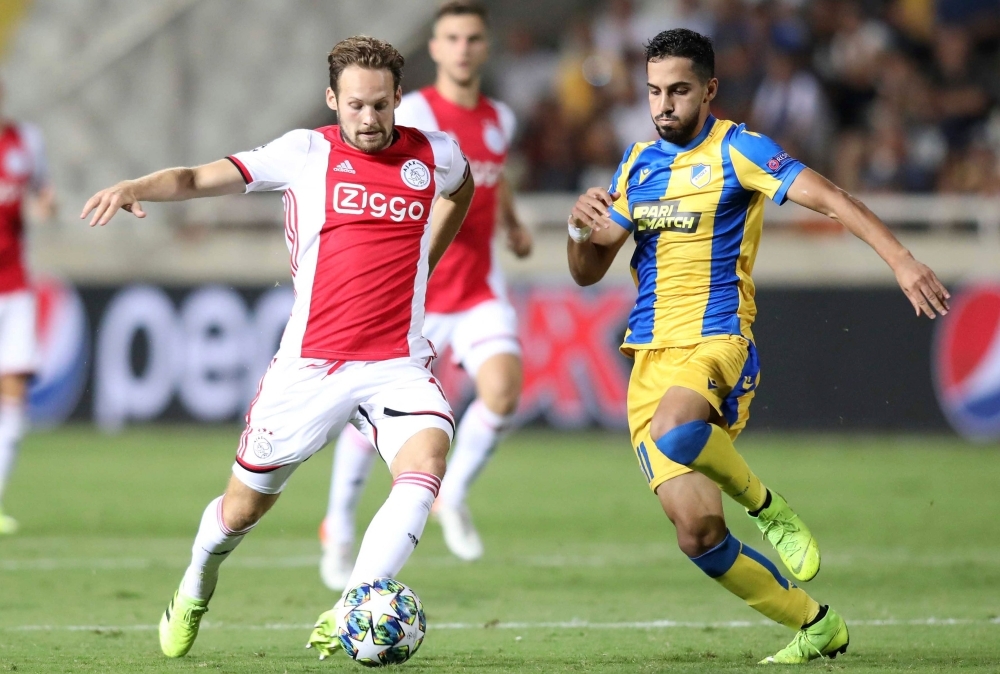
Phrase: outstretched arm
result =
(590, 259)
(926, 293)
(447, 217)
(174, 184)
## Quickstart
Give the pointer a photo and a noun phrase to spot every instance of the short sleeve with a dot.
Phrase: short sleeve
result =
(761, 165)
(34, 141)
(508, 121)
(414, 111)
(620, 212)
(451, 166)
(274, 166)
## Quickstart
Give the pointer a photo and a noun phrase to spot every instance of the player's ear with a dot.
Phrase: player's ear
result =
(331, 99)
(399, 97)
(711, 89)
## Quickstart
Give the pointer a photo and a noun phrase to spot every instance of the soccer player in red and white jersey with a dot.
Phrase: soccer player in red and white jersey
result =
(23, 174)
(467, 307)
(369, 210)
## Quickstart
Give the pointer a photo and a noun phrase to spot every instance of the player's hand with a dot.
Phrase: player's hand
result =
(921, 285)
(106, 203)
(519, 240)
(592, 209)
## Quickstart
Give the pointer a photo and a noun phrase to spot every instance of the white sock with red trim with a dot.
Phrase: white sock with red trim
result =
(396, 528)
(12, 423)
(478, 434)
(352, 463)
(212, 546)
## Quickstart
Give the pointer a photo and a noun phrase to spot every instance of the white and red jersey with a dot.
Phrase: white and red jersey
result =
(358, 229)
(22, 170)
(467, 274)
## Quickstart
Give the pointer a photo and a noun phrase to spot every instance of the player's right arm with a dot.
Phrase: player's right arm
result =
(590, 260)
(173, 184)
(271, 167)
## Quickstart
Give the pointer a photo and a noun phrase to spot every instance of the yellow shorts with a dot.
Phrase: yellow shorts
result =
(725, 371)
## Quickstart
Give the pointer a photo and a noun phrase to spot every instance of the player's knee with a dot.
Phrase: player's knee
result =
(697, 535)
(501, 398)
(681, 443)
(499, 384)
(425, 452)
(240, 512)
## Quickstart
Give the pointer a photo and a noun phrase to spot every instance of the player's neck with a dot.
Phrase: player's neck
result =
(462, 95)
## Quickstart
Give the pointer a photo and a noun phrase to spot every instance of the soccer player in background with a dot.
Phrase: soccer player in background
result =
(23, 173)
(363, 239)
(467, 307)
(694, 201)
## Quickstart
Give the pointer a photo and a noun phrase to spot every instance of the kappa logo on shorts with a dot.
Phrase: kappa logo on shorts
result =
(262, 447)
(712, 384)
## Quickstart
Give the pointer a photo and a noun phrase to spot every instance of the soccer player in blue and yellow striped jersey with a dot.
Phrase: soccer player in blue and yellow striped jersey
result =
(694, 202)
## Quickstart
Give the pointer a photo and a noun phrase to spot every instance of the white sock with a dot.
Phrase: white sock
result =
(12, 423)
(352, 463)
(396, 528)
(212, 546)
(477, 437)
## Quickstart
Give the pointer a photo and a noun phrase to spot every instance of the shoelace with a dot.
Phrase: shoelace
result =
(800, 638)
(193, 614)
(789, 546)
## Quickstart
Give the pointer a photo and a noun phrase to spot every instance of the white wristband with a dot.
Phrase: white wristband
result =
(579, 234)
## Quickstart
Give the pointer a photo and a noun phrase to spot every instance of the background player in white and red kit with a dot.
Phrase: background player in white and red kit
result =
(363, 238)
(23, 175)
(466, 297)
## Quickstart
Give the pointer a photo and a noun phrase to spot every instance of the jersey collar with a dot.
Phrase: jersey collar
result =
(694, 142)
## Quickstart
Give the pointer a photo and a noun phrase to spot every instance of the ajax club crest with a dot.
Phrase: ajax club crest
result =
(415, 174)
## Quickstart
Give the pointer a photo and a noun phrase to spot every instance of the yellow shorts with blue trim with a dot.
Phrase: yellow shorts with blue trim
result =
(724, 370)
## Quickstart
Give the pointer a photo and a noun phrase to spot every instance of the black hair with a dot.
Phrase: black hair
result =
(684, 43)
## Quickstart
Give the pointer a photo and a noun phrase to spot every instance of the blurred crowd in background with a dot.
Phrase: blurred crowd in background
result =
(892, 95)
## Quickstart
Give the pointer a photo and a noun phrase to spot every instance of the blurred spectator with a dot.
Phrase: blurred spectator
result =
(790, 108)
(884, 95)
(961, 96)
(525, 71)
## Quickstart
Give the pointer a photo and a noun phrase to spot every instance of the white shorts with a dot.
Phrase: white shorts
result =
(475, 335)
(18, 344)
(302, 402)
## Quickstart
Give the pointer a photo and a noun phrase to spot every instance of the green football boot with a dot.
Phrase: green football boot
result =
(8, 525)
(792, 539)
(179, 624)
(324, 635)
(826, 638)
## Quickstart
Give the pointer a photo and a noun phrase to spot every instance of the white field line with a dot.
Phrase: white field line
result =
(571, 624)
(37, 564)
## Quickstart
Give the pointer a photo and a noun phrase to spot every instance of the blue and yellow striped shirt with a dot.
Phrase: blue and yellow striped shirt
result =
(697, 212)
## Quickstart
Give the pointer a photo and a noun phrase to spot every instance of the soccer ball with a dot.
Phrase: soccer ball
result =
(382, 623)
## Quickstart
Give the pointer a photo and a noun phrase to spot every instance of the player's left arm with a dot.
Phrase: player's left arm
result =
(447, 216)
(519, 238)
(926, 293)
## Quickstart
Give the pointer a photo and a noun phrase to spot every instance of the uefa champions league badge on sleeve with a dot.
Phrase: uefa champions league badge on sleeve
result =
(63, 351)
(966, 362)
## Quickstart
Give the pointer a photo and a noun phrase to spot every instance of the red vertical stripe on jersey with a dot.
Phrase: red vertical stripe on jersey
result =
(366, 268)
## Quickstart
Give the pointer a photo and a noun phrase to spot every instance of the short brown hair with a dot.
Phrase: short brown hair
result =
(367, 52)
(463, 8)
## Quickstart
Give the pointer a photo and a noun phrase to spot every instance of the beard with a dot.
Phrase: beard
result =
(678, 135)
(368, 143)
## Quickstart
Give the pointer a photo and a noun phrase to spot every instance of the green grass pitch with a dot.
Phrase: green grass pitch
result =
(581, 574)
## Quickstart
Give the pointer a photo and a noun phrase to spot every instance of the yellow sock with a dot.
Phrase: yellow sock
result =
(708, 449)
(754, 579)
